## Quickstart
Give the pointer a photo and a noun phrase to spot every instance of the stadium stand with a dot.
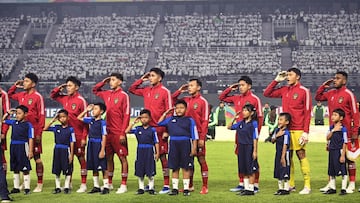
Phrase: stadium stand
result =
(8, 27)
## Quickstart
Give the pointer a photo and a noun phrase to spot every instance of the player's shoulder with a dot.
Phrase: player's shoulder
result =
(254, 123)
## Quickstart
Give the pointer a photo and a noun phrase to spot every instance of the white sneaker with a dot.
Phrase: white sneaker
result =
(82, 188)
(350, 188)
(111, 187)
(326, 188)
(38, 188)
(121, 189)
(305, 191)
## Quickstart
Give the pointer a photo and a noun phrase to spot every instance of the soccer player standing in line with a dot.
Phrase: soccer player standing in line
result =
(157, 99)
(117, 119)
(342, 98)
(4, 107)
(198, 109)
(245, 97)
(74, 104)
(296, 100)
(36, 116)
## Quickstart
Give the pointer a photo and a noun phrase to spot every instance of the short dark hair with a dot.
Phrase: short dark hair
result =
(74, 80)
(23, 108)
(251, 108)
(118, 76)
(246, 79)
(343, 73)
(101, 105)
(197, 80)
(286, 115)
(33, 77)
(181, 102)
(145, 111)
(340, 112)
(63, 111)
(295, 70)
(158, 71)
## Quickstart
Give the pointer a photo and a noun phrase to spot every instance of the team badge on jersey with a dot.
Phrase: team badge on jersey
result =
(73, 106)
(30, 101)
(341, 99)
(247, 102)
(196, 106)
(157, 96)
(116, 100)
(295, 96)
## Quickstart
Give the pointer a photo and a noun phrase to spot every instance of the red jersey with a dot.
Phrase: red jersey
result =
(198, 109)
(344, 99)
(157, 99)
(117, 108)
(296, 100)
(35, 103)
(74, 104)
(5, 108)
(240, 100)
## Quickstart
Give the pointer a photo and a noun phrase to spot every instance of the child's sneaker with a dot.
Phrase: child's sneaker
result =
(105, 191)
(152, 192)
(305, 191)
(67, 191)
(140, 192)
(186, 193)
(27, 192)
(256, 189)
(330, 191)
(165, 190)
(237, 188)
(15, 190)
(174, 192)
(57, 191)
(247, 192)
(82, 188)
(95, 190)
(326, 188)
(343, 192)
(284, 192)
(122, 189)
(38, 188)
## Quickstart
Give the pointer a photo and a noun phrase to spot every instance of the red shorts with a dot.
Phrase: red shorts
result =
(78, 150)
(201, 151)
(163, 143)
(37, 145)
(113, 145)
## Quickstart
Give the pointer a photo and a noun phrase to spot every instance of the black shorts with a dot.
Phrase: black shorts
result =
(19, 160)
(246, 164)
(280, 172)
(61, 162)
(93, 162)
(335, 168)
(179, 154)
(145, 162)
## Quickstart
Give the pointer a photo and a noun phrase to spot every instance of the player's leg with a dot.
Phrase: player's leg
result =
(27, 181)
(256, 180)
(96, 188)
(57, 189)
(163, 144)
(141, 183)
(122, 152)
(175, 182)
(305, 170)
(186, 180)
(4, 192)
(80, 154)
(110, 151)
(39, 164)
(105, 189)
(204, 173)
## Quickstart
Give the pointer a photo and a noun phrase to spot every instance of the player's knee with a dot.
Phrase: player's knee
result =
(301, 154)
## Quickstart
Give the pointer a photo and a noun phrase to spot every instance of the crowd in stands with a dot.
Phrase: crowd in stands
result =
(327, 62)
(333, 29)
(212, 64)
(8, 27)
(7, 63)
(52, 67)
(106, 32)
(212, 30)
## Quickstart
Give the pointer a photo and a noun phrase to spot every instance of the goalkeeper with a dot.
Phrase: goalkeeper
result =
(296, 100)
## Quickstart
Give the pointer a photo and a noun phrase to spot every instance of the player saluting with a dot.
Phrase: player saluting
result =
(296, 100)
(117, 119)
(341, 97)
(157, 99)
(198, 109)
(36, 116)
(74, 104)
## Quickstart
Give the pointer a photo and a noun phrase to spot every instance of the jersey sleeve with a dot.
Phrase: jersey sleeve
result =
(273, 136)
(193, 130)
(235, 126)
(273, 92)
(165, 122)
(125, 108)
(256, 132)
(156, 139)
(98, 91)
(12, 93)
(204, 120)
(30, 131)
(9, 122)
(56, 95)
(344, 132)
(136, 89)
(87, 120)
(41, 113)
(133, 130)
(103, 128)
(321, 94)
(354, 114)
(307, 110)
(175, 96)
(224, 96)
(72, 137)
(286, 137)
(51, 128)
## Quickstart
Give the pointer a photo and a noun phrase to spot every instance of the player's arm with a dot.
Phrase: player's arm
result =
(82, 115)
(72, 145)
(273, 92)
(12, 90)
(307, 111)
(284, 150)
(163, 116)
(343, 151)
(204, 121)
(6, 115)
(126, 118)
(231, 125)
(321, 94)
(194, 137)
(97, 89)
(225, 97)
(176, 94)
(85, 130)
(31, 141)
(259, 112)
(135, 87)
(130, 128)
(255, 139)
(56, 95)
(47, 125)
(354, 114)
(103, 140)
(157, 147)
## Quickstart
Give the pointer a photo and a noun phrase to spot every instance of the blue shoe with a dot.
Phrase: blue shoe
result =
(256, 190)
(165, 190)
(238, 188)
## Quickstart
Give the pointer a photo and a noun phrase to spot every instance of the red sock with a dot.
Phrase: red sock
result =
(164, 164)
(241, 177)
(204, 173)
(191, 183)
(352, 171)
(124, 175)
(83, 171)
(110, 177)
(39, 172)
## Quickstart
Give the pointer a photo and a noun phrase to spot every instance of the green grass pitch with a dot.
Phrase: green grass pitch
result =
(222, 176)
